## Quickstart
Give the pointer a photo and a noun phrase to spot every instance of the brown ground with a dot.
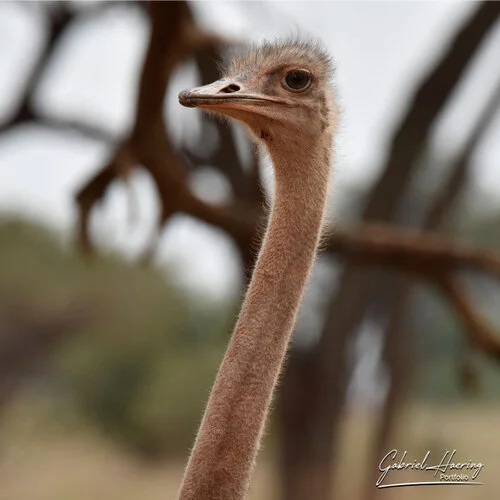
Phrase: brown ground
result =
(41, 464)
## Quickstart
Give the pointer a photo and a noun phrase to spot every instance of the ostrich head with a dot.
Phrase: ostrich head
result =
(280, 91)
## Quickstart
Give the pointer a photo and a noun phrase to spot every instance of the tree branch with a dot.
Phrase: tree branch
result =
(479, 333)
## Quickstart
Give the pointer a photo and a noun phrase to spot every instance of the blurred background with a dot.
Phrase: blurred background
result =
(128, 225)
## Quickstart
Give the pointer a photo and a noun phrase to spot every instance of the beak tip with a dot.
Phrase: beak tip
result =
(185, 99)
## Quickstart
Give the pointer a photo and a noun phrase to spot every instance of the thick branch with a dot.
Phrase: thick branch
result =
(347, 305)
(171, 40)
(430, 98)
(460, 168)
(398, 342)
(478, 331)
(60, 18)
(425, 254)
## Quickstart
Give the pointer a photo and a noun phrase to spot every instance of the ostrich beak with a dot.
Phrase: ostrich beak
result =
(226, 94)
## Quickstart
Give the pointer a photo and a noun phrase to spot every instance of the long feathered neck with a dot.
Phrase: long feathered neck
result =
(224, 453)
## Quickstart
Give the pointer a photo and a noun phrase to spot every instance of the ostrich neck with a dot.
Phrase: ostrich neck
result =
(224, 453)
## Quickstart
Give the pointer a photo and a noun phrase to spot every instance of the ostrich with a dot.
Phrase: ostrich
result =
(282, 93)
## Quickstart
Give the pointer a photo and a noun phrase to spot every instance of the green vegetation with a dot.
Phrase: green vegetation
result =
(141, 363)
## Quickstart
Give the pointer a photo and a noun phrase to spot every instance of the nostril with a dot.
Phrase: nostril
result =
(230, 89)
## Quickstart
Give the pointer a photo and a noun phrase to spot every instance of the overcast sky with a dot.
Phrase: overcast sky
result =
(380, 49)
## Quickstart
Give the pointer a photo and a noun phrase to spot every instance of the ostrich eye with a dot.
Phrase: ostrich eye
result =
(298, 79)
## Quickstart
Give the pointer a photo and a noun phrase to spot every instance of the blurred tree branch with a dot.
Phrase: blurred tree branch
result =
(421, 253)
(326, 384)
(172, 39)
(399, 344)
(409, 140)
(150, 147)
(60, 16)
